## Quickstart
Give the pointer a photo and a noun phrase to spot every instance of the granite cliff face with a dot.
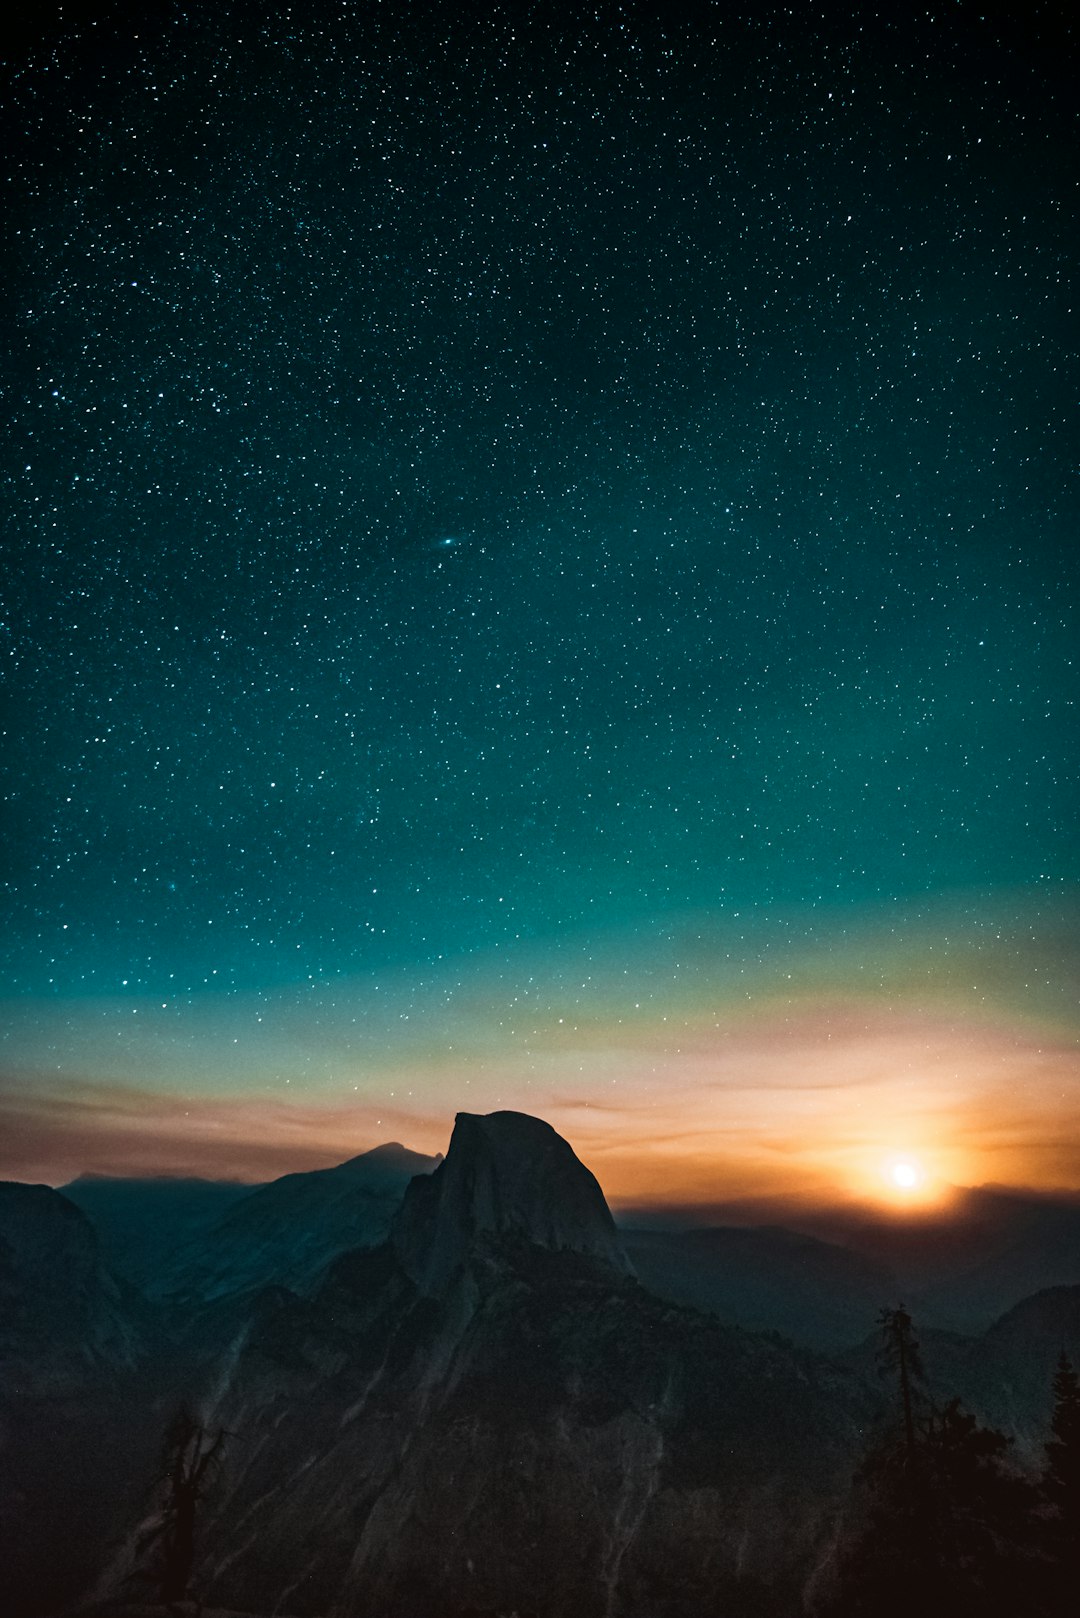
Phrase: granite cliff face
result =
(507, 1178)
(541, 1438)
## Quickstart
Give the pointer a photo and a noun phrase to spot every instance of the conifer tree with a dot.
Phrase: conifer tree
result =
(1061, 1488)
(190, 1460)
(943, 1525)
(900, 1353)
(1062, 1479)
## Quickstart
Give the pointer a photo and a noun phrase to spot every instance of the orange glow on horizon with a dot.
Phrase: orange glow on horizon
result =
(639, 1157)
(698, 1094)
(910, 1181)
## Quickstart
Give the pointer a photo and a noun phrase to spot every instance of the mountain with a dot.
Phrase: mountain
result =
(287, 1232)
(1016, 1245)
(141, 1223)
(63, 1316)
(465, 1391)
(74, 1413)
(506, 1175)
(962, 1269)
(489, 1413)
(1007, 1376)
(1003, 1375)
(815, 1292)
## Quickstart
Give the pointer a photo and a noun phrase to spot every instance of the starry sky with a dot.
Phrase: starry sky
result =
(541, 572)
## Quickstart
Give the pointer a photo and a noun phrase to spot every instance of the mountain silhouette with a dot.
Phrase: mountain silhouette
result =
(455, 1386)
(141, 1223)
(287, 1232)
(506, 1176)
(767, 1279)
(489, 1412)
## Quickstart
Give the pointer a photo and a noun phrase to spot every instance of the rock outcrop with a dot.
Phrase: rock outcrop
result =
(489, 1413)
(507, 1178)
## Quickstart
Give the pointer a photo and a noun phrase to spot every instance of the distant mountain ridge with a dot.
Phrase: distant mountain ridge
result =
(765, 1279)
(820, 1280)
(142, 1222)
(958, 1270)
(287, 1233)
(961, 1269)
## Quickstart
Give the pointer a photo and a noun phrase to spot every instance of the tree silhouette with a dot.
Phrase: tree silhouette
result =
(943, 1525)
(1061, 1487)
(190, 1460)
(899, 1352)
(1063, 1450)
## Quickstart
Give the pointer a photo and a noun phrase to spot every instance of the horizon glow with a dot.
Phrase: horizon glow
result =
(674, 1080)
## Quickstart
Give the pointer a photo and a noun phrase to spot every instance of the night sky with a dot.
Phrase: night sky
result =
(541, 572)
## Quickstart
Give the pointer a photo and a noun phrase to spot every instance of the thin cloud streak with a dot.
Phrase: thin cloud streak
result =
(53, 1135)
(715, 1105)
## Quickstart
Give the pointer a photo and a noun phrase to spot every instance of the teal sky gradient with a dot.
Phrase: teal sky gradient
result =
(734, 355)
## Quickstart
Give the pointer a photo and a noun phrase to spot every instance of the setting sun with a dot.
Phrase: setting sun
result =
(912, 1183)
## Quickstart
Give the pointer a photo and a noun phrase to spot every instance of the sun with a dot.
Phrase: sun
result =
(906, 1182)
(906, 1177)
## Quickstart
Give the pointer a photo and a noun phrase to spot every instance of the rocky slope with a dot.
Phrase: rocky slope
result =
(1004, 1375)
(75, 1423)
(490, 1413)
(287, 1232)
(142, 1223)
(1007, 1375)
